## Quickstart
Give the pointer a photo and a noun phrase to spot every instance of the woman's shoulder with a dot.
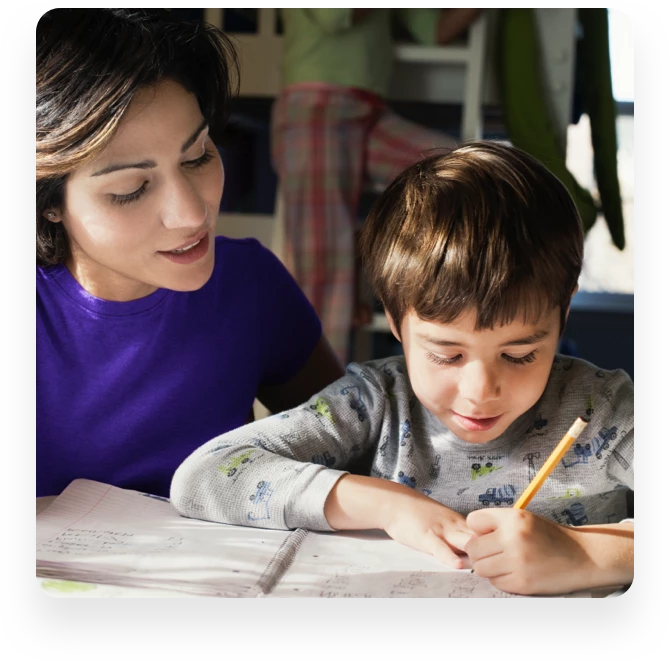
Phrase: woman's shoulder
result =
(245, 254)
(245, 268)
(246, 246)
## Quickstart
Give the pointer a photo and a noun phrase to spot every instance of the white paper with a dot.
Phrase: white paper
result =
(98, 533)
(95, 534)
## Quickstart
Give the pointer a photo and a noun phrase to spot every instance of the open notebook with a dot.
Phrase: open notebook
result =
(105, 535)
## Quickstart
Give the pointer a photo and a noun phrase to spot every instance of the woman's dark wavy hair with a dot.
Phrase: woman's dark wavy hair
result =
(90, 63)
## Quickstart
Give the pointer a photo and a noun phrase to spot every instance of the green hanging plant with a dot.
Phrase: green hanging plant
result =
(528, 122)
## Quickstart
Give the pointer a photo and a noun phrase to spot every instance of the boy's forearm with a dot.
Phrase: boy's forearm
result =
(610, 550)
(363, 502)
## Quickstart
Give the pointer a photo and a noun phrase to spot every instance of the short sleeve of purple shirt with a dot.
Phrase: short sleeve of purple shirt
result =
(127, 390)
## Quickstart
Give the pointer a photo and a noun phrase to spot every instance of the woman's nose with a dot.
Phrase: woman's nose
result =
(183, 206)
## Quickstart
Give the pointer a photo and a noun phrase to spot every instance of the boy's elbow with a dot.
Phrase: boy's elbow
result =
(184, 492)
(177, 493)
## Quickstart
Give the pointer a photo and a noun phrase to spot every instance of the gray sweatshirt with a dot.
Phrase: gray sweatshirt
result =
(278, 471)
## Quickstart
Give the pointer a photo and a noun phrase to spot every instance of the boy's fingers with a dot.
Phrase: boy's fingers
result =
(459, 539)
(443, 552)
(485, 520)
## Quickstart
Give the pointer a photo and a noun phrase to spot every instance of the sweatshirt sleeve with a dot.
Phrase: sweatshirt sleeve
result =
(618, 434)
(277, 472)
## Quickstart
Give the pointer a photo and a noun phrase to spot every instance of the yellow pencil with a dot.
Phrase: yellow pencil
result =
(575, 430)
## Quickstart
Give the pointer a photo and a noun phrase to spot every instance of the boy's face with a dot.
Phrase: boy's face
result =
(479, 382)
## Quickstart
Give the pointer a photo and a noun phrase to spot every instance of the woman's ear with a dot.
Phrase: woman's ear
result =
(394, 330)
(52, 215)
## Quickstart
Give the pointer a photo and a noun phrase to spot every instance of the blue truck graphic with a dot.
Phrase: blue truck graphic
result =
(410, 481)
(356, 401)
(326, 459)
(538, 424)
(405, 432)
(498, 495)
(596, 447)
(261, 496)
(576, 514)
(581, 454)
(601, 442)
(384, 446)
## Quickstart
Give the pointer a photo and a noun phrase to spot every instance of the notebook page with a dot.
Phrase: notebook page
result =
(98, 533)
(372, 565)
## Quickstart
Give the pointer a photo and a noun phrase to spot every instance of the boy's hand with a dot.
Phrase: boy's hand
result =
(411, 518)
(424, 524)
(520, 552)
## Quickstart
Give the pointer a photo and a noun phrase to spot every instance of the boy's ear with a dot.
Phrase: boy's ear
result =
(567, 312)
(394, 330)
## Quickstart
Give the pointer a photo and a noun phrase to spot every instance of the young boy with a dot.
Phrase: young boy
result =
(475, 255)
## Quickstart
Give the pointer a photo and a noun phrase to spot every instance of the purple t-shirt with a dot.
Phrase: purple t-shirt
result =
(127, 390)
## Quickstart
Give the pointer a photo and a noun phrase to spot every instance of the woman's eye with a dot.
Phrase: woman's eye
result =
(135, 195)
(442, 360)
(200, 161)
(520, 360)
(130, 197)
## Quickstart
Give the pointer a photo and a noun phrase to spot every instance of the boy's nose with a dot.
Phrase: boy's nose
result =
(479, 384)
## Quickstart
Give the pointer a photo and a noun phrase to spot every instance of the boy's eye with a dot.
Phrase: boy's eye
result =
(442, 360)
(520, 360)
(130, 197)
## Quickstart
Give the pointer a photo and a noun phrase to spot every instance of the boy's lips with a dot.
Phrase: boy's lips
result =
(478, 424)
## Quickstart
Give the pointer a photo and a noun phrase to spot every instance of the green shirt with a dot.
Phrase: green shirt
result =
(324, 45)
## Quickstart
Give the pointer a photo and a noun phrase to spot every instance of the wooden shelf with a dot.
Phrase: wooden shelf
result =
(432, 54)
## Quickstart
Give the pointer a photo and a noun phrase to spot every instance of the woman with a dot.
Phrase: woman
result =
(153, 336)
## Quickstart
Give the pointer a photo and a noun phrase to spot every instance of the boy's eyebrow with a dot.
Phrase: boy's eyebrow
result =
(529, 340)
(144, 165)
(526, 340)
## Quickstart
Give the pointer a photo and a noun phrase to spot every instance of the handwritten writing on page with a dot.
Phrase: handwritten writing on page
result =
(369, 564)
(98, 533)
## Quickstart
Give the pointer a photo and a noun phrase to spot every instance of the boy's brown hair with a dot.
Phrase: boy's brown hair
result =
(485, 226)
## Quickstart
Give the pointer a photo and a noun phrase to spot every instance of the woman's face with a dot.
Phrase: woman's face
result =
(142, 215)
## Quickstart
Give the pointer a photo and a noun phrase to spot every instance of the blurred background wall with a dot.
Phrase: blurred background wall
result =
(429, 85)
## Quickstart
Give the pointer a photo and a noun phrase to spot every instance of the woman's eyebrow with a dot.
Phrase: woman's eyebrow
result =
(194, 136)
(144, 165)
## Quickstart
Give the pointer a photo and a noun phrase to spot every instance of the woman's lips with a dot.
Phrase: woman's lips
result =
(191, 255)
(476, 424)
